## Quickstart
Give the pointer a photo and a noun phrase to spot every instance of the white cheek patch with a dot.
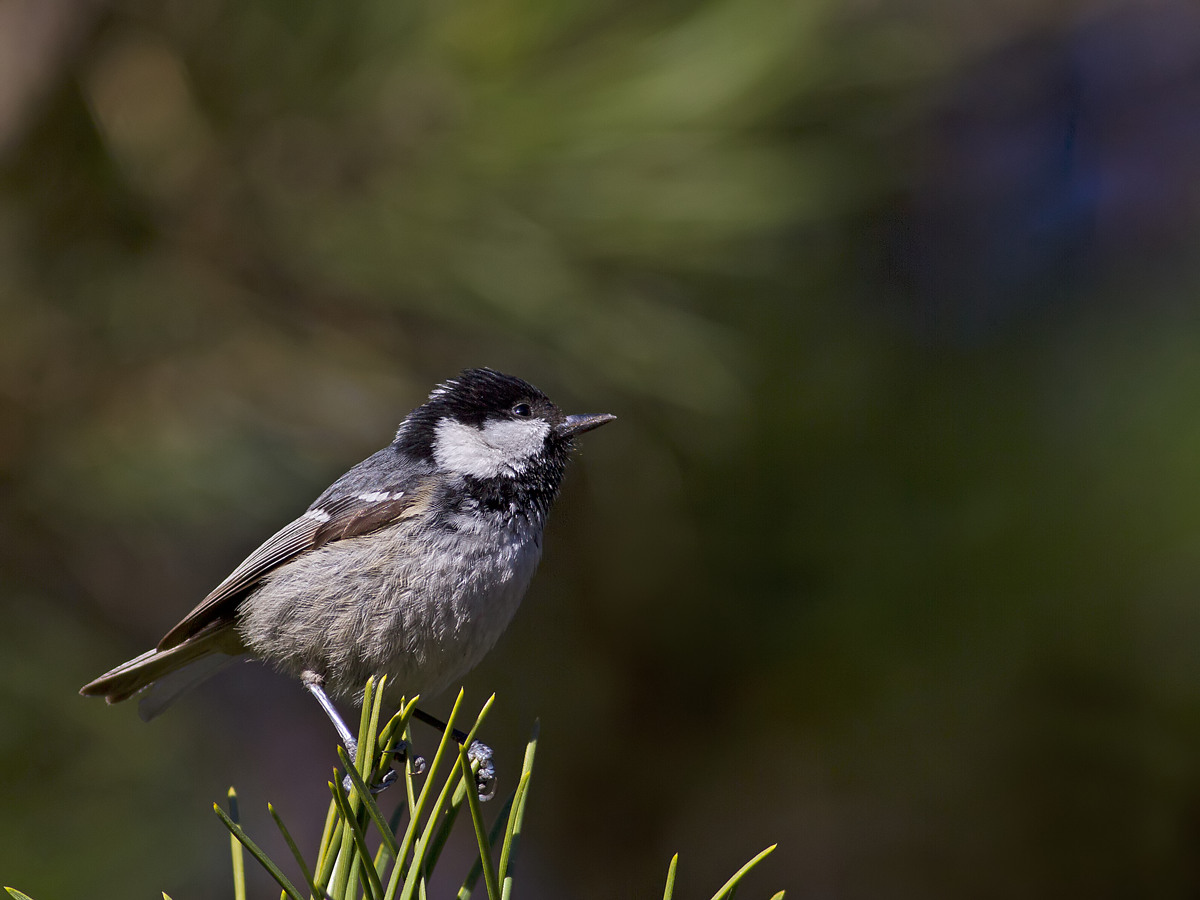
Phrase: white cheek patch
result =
(501, 447)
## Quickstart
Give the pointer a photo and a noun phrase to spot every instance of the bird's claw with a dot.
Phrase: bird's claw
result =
(400, 754)
(478, 753)
(485, 775)
(389, 778)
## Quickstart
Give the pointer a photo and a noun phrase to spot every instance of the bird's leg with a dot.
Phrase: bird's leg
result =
(434, 722)
(485, 776)
(313, 683)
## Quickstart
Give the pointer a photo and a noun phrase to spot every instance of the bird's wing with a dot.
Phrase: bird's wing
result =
(345, 517)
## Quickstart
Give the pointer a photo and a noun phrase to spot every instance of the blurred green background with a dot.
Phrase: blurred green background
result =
(894, 555)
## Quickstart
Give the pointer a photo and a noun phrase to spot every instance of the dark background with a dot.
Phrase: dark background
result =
(894, 554)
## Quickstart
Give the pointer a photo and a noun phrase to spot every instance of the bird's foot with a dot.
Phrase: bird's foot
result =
(398, 753)
(389, 778)
(485, 775)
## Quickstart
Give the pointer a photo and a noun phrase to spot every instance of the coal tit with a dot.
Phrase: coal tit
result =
(410, 565)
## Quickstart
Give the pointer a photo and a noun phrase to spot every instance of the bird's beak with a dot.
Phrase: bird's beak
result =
(579, 424)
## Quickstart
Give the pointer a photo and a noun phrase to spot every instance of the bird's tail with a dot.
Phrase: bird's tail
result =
(202, 656)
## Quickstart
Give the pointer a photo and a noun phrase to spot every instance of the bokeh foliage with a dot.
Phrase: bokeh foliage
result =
(895, 302)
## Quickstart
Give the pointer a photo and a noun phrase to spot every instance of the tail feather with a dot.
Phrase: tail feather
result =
(170, 687)
(130, 677)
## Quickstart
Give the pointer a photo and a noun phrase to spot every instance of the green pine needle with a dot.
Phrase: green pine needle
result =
(287, 836)
(512, 832)
(258, 854)
(670, 891)
(235, 849)
(374, 888)
(405, 862)
(344, 860)
(485, 852)
(499, 828)
(727, 888)
(368, 801)
(420, 861)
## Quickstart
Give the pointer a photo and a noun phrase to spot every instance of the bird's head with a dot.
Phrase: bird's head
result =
(485, 424)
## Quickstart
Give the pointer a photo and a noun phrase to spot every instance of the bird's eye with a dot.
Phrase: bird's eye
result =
(522, 411)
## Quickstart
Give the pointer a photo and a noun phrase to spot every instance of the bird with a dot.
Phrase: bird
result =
(409, 565)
